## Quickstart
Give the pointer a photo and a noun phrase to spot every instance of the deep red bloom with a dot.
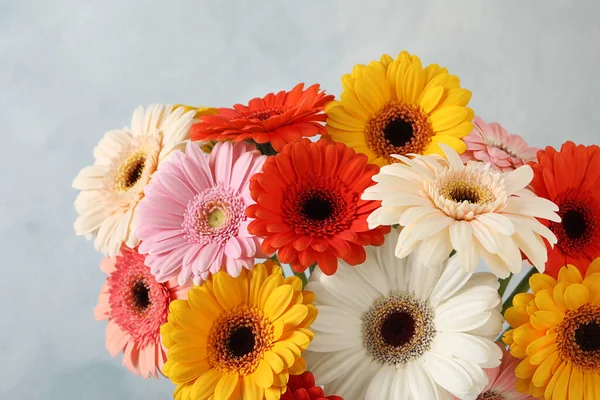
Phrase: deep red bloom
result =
(571, 179)
(308, 205)
(279, 118)
(302, 387)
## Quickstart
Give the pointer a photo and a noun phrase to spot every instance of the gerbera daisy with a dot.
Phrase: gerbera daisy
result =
(302, 387)
(502, 380)
(309, 208)
(125, 161)
(570, 178)
(389, 329)
(479, 212)
(398, 107)
(193, 220)
(491, 143)
(277, 119)
(557, 335)
(135, 306)
(239, 337)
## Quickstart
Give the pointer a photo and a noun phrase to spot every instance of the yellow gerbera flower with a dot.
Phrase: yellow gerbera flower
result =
(557, 335)
(398, 107)
(201, 111)
(238, 338)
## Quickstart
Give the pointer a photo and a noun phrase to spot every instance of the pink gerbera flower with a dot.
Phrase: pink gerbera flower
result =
(502, 380)
(135, 306)
(491, 143)
(193, 219)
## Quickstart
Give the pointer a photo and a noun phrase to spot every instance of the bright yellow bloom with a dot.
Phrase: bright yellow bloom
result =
(238, 338)
(557, 335)
(398, 107)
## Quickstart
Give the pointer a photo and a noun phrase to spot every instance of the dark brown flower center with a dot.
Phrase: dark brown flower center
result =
(490, 395)
(130, 171)
(318, 207)
(241, 341)
(587, 336)
(398, 132)
(141, 295)
(398, 328)
(574, 223)
(460, 190)
(577, 232)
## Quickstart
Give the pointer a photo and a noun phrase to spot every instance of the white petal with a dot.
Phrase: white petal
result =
(381, 385)
(329, 342)
(452, 279)
(469, 347)
(518, 179)
(355, 383)
(421, 279)
(420, 382)
(329, 366)
(453, 157)
(486, 237)
(491, 328)
(337, 321)
(447, 373)
(497, 222)
(460, 234)
(430, 224)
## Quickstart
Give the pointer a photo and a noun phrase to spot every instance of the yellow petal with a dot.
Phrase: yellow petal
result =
(562, 385)
(274, 361)
(569, 274)
(451, 141)
(182, 373)
(414, 81)
(541, 343)
(390, 76)
(354, 107)
(400, 78)
(205, 384)
(554, 380)
(226, 386)
(558, 294)
(298, 338)
(299, 367)
(456, 97)
(545, 301)
(434, 148)
(576, 295)
(588, 386)
(539, 282)
(525, 334)
(594, 267)
(592, 283)
(205, 303)
(374, 75)
(348, 82)
(310, 317)
(268, 286)
(273, 393)
(286, 355)
(542, 355)
(430, 98)
(277, 329)
(459, 131)
(278, 301)
(230, 292)
(191, 320)
(447, 117)
(294, 316)
(439, 79)
(544, 320)
(263, 376)
(523, 299)
(507, 338)
(576, 385)
(525, 369)
(518, 351)
(368, 96)
(187, 354)
(294, 282)
(257, 278)
(250, 390)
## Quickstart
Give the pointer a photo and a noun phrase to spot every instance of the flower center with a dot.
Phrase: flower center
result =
(238, 340)
(398, 329)
(318, 207)
(574, 223)
(213, 215)
(467, 191)
(141, 295)
(398, 128)
(578, 227)
(264, 114)
(579, 337)
(490, 395)
(130, 171)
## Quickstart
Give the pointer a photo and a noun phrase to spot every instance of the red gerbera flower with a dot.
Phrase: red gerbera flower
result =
(571, 179)
(302, 387)
(279, 118)
(308, 205)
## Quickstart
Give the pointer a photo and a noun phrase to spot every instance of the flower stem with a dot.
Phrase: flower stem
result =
(504, 284)
(522, 287)
(303, 277)
(266, 149)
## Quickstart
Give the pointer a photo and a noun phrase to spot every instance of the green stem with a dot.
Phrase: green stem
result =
(504, 284)
(266, 149)
(311, 269)
(522, 287)
(303, 277)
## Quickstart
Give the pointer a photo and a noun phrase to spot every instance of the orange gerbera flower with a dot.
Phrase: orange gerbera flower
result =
(570, 178)
(308, 205)
(279, 118)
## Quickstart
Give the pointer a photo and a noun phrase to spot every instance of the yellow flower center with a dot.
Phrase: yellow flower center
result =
(579, 337)
(398, 128)
(216, 218)
(130, 171)
(462, 190)
(238, 340)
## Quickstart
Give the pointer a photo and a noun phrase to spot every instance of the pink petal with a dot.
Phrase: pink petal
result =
(116, 339)
(232, 248)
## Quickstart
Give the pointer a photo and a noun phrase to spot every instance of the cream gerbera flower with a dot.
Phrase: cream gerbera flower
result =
(390, 330)
(125, 160)
(445, 205)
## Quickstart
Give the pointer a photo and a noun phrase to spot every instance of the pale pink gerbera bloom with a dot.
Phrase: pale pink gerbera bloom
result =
(491, 143)
(502, 380)
(193, 220)
(135, 306)
(125, 161)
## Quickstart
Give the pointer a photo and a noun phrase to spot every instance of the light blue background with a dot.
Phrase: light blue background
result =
(70, 70)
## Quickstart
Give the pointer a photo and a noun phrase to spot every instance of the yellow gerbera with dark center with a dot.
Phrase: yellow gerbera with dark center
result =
(238, 338)
(398, 107)
(557, 335)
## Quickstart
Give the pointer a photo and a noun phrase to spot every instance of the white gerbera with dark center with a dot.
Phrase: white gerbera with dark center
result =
(388, 329)
(444, 205)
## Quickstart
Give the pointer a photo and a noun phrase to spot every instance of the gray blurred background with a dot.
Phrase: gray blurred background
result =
(70, 70)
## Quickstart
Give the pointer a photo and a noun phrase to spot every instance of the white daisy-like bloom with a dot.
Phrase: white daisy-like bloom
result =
(125, 161)
(445, 205)
(389, 329)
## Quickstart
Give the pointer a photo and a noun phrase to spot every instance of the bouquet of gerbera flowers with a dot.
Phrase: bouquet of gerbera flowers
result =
(301, 247)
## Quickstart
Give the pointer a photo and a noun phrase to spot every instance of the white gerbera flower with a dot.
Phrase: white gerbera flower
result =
(445, 205)
(124, 163)
(389, 329)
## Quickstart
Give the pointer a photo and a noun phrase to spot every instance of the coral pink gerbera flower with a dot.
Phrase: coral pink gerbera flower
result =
(502, 380)
(193, 220)
(491, 143)
(277, 119)
(135, 306)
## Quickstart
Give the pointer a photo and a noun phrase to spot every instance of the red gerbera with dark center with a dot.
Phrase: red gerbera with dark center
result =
(278, 119)
(571, 179)
(302, 387)
(308, 205)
